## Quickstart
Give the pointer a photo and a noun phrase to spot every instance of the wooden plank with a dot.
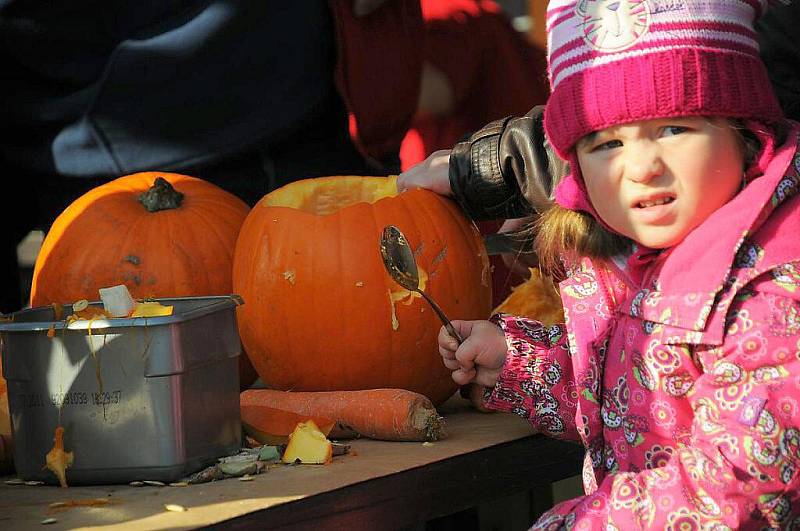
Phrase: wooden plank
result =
(417, 495)
(377, 484)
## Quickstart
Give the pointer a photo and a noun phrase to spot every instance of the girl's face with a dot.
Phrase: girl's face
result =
(654, 181)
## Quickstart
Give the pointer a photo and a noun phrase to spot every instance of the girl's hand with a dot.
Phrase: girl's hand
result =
(432, 174)
(479, 358)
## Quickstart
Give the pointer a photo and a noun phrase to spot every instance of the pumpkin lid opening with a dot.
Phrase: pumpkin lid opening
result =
(325, 195)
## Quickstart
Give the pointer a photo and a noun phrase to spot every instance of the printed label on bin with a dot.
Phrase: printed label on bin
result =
(72, 398)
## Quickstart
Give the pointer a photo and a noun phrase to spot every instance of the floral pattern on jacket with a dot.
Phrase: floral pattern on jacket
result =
(684, 387)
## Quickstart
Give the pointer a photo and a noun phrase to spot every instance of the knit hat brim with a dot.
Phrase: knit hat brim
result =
(678, 82)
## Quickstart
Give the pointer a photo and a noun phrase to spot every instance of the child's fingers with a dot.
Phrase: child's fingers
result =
(463, 376)
(466, 370)
(446, 341)
(465, 358)
(447, 351)
(451, 364)
(487, 377)
(449, 357)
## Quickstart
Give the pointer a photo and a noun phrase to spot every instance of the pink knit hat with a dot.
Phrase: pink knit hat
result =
(617, 61)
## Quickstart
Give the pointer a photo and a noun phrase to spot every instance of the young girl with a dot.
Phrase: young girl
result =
(678, 366)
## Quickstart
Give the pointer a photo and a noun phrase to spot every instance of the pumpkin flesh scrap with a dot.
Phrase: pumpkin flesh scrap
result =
(308, 445)
(57, 459)
(150, 309)
(406, 296)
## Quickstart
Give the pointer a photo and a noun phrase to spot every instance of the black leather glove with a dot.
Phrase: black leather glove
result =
(504, 170)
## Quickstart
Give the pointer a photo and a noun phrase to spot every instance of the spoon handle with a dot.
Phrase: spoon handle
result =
(447, 324)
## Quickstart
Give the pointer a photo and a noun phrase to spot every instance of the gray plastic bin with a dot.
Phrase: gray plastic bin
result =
(152, 398)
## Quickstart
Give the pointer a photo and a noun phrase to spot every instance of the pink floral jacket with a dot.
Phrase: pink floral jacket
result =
(684, 386)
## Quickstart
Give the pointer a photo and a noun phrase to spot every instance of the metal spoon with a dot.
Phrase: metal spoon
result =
(398, 258)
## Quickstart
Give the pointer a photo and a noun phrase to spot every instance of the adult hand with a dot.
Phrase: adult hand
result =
(432, 174)
(479, 358)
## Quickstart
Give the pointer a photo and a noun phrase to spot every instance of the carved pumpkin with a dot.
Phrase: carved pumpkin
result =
(320, 311)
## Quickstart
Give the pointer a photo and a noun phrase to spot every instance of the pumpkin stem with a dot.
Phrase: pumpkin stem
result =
(161, 196)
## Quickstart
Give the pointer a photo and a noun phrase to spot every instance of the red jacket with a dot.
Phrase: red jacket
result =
(381, 101)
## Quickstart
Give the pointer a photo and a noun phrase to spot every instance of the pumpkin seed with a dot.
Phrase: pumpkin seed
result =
(48, 521)
(34, 483)
(154, 483)
(15, 481)
(80, 305)
(175, 508)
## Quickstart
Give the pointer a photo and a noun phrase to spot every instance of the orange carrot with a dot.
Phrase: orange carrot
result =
(268, 425)
(386, 414)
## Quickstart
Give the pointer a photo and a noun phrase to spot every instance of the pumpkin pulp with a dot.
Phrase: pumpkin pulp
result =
(327, 195)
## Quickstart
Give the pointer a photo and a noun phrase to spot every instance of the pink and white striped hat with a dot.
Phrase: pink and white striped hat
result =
(618, 61)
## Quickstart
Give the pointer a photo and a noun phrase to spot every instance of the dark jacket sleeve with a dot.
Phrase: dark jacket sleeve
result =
(502, 171)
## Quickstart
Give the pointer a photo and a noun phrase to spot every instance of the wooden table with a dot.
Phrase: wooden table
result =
(378, 485)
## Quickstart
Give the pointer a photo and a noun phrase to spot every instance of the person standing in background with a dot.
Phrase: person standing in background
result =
(476, 68)
(247, 94)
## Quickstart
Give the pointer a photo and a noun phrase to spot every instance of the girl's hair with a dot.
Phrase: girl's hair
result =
(563, 236)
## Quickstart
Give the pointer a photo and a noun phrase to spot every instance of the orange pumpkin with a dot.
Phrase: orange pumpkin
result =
(321, 312)
(160, 234)
(536, 298)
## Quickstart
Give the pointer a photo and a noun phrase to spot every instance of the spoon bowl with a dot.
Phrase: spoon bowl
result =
(398, 258)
